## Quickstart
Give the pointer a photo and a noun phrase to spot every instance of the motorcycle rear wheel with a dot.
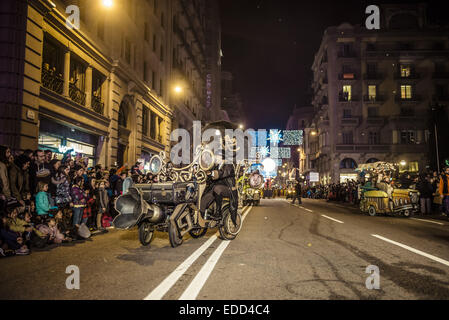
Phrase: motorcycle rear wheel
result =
(173, 235)
(229, 231)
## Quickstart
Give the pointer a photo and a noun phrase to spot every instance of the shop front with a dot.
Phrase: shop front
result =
(60, 138)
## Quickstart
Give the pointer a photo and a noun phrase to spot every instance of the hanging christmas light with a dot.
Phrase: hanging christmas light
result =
(293, 137)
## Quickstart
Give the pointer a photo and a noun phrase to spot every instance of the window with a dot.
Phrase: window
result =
(372, 92)
(161, 88)
(347, 113)
(162, 19)
(408, 137)
(162, 53)
(373, 138)
(153, 80)
(373, 112)
(406, 71)
(146, 32)
(347, 93)
(406, 92)
(154, 42)
(155, 6)
(145, 121)
(348, 138)
(128, 51)
(153, 126)
(371, 68)
(145, 71)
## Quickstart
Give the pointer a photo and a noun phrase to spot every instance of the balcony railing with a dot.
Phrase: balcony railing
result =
(376, 121)
(374, 99)
(373, 76)
(52, 81)
(349, 121)
(350, 54)
(441, 97)
(415, 98)
(77, 95)
(440, 75)
(411, 76)
(97, 105)
(345, 98)
(363, 148)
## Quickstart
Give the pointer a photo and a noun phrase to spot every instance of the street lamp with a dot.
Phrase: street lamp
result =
(313, 133)
(178, 89)
(241, 126)
(108, 3)
(403, 163)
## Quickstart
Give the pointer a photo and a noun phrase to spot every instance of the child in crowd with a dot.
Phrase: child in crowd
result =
(43, 206)
(79, 201)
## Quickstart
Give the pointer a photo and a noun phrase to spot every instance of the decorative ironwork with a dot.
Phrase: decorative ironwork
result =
(52, 81)
(77, 95)
(97, 105)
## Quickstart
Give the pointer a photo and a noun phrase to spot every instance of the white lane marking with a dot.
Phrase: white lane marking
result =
(445, 262)
(194, 288)
(430, 221)
(331, 219)
(159, 292)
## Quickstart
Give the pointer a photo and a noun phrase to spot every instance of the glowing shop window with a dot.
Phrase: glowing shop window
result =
(372, 92)
(81, 148)
(405, 71)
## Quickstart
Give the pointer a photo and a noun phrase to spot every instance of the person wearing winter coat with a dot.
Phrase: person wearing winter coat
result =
(79, 201)
(18, 178)
(426, 194)
(42, 204)
(102, 202)
(63, 197)
(443, 190)
(5, 153)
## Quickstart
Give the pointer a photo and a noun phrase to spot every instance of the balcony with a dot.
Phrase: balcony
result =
(349, 54)
(52, 81)
(441, 97)
(441, 76)
(347, 76)
(353, 121)
(342, 97)
(375, 121)
(97, 105)
(414, 99)
(411, 76)
(363, 148)
(373, 76)
(377, 99)
(77, 95)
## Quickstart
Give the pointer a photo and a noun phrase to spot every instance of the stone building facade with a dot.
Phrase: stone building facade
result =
(107, 89)
(374, 91)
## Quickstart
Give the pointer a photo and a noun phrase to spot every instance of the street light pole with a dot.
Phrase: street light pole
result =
(436, 146)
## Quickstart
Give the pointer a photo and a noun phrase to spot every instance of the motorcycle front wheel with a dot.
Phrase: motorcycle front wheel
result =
(146, 233)
(228, 230)
(174, 236)
(198, 233)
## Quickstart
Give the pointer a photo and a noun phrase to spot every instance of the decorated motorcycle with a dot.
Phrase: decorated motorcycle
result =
(174, 204)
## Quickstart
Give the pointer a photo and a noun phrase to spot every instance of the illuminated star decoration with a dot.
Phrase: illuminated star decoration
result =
(275, 136)
(293, 137)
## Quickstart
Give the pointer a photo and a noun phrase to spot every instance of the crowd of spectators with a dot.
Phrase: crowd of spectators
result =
(432, 187)
(45, 200)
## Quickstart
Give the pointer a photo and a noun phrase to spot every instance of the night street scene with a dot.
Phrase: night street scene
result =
(240, 152)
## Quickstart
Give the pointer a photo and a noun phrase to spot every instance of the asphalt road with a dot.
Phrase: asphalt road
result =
(318, 250)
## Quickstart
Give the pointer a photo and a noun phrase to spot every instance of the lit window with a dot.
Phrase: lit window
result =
(405, 71)
(406, 92)
(372, 92)
(347, 92)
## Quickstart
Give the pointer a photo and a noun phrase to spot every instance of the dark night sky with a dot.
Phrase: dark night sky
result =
(269, 46)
